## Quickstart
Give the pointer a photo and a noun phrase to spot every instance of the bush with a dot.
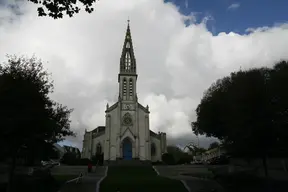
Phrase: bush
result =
(98, 158)
(69, 158)
(168, 159)
(84, 161)
(185, 159)
(157, 163)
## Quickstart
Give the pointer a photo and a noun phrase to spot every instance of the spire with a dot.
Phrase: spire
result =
(127, 60)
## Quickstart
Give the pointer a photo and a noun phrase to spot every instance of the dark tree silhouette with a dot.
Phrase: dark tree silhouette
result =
(29, 119)
(57, 8)
(168, 159)
(248, 112)
(214, 145)
(194, 149)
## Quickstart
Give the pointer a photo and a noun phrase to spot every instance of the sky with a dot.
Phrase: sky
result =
(181, 48)
(236, 16)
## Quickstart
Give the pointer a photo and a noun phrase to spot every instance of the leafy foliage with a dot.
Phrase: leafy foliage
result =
(69, 158)
(168, 159)
(29, 120)
(213, 145)
(248, 111)
(175, 151)
(27, 115)
(175, 155)
(57, 8)
(185, 159)
(98, 158)
(195, 150)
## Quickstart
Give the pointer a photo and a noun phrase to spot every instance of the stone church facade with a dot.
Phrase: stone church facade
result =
(126, 134)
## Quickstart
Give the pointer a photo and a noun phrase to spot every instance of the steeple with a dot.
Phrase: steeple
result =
(127, 77)
(127, 60)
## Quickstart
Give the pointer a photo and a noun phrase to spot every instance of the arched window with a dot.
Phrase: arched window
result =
(124, 87)
(98, 149)
(153, 149)
(131, 87)
(127, 61)
(128, 45)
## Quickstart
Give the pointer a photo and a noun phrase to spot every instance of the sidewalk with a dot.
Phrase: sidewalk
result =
(88, 182)
(198, 185)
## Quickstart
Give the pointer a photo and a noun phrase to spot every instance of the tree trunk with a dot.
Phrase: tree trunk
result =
(284, 165)
(264, 160)
(11, 172)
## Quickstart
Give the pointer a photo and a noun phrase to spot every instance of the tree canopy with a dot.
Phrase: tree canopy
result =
(213, 145)
(28, 117)
(29, 120)
(175, 155)
(194, 149)
(247, 111)
(57, 8)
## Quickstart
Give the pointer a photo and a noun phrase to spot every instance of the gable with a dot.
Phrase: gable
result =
(143, 108)
(155, 135)
(111, 108)
(127, 133)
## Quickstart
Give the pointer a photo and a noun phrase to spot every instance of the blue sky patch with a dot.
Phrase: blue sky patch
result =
(235, 16)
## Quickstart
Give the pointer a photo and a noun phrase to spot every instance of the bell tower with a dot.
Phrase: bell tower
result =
(127, 77)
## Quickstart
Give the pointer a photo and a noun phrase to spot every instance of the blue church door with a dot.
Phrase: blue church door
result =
(127, 149)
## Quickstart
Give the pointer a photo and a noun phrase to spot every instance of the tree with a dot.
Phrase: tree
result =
(98, 158)
(195, 150)
(175, 151)
(179, 156)
(42, 150)
(57, 8)
(247, 111)
(213, 145)
(29, 119)
(69, 158)
(168, 159)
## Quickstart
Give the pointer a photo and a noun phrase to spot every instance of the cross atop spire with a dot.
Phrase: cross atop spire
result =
(127, 60)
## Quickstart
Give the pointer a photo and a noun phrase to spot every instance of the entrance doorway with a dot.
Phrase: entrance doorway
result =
(127, 148)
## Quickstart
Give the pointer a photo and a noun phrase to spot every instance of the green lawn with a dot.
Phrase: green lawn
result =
(36, 184)
(242, 182)
(140, 179)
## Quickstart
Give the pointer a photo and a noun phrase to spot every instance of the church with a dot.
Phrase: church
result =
(126, 134)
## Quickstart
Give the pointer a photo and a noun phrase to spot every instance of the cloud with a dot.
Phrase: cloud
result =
(234, 6)
(186, 4)
(176, 63)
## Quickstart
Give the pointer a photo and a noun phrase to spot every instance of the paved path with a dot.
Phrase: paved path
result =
(198, 185)
(68, 170)
(194, 184)
(88, 183)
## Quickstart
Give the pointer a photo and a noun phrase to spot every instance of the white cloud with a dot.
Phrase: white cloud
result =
(175, 63)
(234, 6)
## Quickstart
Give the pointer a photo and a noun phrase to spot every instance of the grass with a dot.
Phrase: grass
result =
(243, 182)
(140, 179)
(31, 184)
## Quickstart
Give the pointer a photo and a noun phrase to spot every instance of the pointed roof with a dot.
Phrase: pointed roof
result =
(127, 60)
